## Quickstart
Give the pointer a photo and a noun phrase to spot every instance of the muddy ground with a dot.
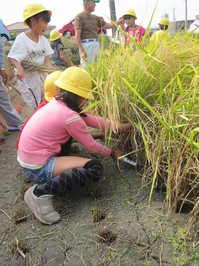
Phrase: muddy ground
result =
(110, 223)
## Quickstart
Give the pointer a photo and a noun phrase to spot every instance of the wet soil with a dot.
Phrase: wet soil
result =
(110, 223)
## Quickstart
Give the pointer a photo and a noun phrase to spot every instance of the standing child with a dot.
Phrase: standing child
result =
(134, 31)
(32, 46)
(58, 58)
(47, 130)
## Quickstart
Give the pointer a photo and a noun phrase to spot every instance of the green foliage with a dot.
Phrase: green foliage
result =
(71, 50)
(13, 35)
(47, 35)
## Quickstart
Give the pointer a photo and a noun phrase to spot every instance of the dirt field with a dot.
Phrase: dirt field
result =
(110, 223)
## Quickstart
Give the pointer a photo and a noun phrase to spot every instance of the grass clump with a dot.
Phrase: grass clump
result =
(19, 246)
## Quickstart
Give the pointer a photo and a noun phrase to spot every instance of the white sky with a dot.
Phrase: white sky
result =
(64, 10)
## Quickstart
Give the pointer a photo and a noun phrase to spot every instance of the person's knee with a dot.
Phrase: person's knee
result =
(96, 169)
(90, 173)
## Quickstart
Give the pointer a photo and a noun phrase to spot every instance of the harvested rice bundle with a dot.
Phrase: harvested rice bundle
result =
(30, 66)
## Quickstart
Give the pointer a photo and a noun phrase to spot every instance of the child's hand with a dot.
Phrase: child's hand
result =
(115, 155)
(69, 62)
(124, 127)
(121, 23)
(150, 33)
(20, 73)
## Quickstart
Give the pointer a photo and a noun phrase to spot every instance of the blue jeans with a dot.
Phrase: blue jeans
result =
(43, 174)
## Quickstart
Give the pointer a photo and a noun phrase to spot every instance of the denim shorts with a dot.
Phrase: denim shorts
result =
(43, 174)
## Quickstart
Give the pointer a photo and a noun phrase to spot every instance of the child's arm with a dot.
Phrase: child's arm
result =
(66, 60)
(47, 62)
(18, 66)
(99, 122)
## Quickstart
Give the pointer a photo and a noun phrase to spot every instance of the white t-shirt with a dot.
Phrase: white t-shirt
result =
(24, 48)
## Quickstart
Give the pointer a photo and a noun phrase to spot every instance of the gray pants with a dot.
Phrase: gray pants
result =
(11, 116)
(93, 52)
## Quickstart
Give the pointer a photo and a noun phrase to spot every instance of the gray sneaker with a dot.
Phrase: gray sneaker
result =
(41, 207)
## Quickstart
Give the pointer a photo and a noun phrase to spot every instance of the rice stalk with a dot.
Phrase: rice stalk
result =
(31, 66)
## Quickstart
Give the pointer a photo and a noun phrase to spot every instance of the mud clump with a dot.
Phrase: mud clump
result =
(107, 235)
(95, 194)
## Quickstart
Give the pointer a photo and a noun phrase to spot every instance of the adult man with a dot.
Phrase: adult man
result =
(86, 26)
(12, 118)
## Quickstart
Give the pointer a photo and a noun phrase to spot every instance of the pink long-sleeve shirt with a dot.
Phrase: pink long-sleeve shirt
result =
(52, 126)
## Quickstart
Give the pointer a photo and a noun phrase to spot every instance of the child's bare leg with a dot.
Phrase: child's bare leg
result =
(65, 163)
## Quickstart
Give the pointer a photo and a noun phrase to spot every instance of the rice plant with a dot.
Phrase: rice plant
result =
(155, 87)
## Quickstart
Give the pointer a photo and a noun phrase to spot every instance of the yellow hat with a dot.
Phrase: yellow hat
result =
(49, 86)
(130, 12)
(33, 9)
(54, 35)
(164, 21)
(76, 80)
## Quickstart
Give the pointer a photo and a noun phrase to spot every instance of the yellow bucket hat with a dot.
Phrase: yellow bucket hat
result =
(164, 21)
(130, 12)
(76, 80)
(33, 9)
(49, 86)
(54, 35)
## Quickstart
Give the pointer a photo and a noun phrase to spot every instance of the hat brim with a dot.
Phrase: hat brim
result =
(128, 15)
(49, 12)
(82, 92)
(56, 38)
(163, 24)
